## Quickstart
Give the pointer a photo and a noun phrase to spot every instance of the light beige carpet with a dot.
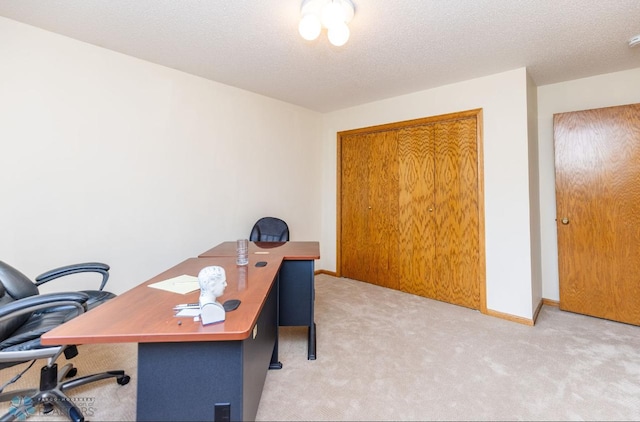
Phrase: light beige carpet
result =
(387, 355)
(100, 401)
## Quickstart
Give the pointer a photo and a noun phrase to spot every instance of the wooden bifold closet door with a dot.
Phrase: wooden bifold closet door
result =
(597, 159)
(409, 209)
(371, 242)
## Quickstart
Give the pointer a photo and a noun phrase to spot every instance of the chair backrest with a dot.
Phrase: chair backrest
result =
(269, 229)
(13, 285)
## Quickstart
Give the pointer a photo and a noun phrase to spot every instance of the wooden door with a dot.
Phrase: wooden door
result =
(370, 208)
(416, 222)
(457, 241)
(597, 155)
(355, 205)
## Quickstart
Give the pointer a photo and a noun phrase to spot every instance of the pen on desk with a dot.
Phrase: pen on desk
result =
(186, 306)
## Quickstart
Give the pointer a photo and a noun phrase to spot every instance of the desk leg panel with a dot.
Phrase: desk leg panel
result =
(297, 297)
(183, 381)
(258, 354)
(296, 293)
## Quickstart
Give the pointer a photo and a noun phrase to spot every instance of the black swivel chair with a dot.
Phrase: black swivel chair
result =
(25, 315)
(269, 229)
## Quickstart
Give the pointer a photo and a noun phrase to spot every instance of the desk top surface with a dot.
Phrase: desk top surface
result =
(145, 314)
(290, 251)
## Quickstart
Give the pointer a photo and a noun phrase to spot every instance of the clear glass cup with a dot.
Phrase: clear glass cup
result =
(242, 249)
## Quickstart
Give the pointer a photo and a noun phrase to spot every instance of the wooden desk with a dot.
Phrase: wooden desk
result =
(297, 291)
(185, 369)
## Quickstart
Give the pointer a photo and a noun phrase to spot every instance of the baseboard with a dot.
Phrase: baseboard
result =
(512, 318)
(520, 320)
(550, 302)
(331, 273)
(537, 311)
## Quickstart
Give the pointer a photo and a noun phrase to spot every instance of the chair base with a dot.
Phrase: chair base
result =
(51, 393)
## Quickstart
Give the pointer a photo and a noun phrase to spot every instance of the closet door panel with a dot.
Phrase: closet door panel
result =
(369, 197)
(356, 260)
(383, 208)
(456, 212)
(416, 201)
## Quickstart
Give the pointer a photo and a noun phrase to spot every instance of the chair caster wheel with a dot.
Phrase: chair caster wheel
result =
(124, 380)
(47, 408)
(72, 373)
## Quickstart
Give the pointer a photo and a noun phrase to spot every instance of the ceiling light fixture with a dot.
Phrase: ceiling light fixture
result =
(634, 41)
(334, 15)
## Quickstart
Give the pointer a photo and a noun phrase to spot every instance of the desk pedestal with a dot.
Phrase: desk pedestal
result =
(184, 381)
(297, 297)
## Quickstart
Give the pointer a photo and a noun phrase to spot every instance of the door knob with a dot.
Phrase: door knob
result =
(565, 221)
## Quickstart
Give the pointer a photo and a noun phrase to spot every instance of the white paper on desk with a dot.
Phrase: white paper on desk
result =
(188, 312)
(181, 284)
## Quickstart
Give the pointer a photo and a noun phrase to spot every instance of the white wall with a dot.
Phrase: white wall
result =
(503, 98)
(534, 194)
(106, 157)
(612, 89)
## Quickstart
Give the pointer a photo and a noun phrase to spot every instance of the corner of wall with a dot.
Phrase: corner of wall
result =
(534, 195)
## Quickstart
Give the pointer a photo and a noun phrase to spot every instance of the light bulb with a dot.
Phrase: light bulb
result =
(338, 34)
(332, 14)
(347, 11)
(310, 27)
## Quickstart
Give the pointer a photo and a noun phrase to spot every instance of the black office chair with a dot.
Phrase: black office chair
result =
(269, 229)
(25, 315)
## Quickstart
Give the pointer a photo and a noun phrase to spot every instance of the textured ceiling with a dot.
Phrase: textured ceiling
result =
(396, 47)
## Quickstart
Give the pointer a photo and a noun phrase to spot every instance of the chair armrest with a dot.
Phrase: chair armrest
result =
(44, 301)
(95, 267)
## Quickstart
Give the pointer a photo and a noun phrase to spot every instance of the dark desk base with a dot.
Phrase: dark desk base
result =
(297, 297)
(195, 380)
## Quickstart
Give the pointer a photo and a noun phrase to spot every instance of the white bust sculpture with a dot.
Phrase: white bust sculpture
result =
(213, 281)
